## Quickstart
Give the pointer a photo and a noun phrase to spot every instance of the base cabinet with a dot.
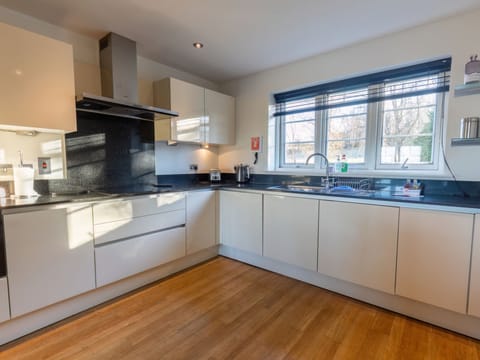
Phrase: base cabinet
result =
(4, 304)
(118, 260)
(434, 257)
(358, 243)
(241, 220)
(50, 256)
(200, 220)
(291, 230)
(474, 300)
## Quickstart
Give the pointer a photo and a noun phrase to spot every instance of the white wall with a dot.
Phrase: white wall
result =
(456, 36)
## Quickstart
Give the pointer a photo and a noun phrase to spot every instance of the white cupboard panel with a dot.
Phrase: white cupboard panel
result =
(50, 256)
(241, 220)
(125, 228)
(119, 260)
(433, 260)
(358, 243)
(37, 88)
(141, 206)
(200, 220)
(219, 118)
(4, 305)
(474, 301)
(291, 230)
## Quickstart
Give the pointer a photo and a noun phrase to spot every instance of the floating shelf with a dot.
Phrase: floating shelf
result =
(465, 142)
(467, 89)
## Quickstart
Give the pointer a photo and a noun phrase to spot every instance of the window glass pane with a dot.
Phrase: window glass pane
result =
(300, 131)
(347, 132)
(407, 130)
(297, 153)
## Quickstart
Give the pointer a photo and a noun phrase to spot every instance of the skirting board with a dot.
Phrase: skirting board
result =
(463, 324)
(18, 327)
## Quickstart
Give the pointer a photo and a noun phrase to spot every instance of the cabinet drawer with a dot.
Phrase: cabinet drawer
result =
(125, 258)
(4, 306)
(132, 208)
(125, 228)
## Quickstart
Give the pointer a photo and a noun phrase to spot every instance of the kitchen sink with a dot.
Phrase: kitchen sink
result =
(313, 189)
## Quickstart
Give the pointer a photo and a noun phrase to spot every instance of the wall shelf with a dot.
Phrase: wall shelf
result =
(465, 142)
(467, 89)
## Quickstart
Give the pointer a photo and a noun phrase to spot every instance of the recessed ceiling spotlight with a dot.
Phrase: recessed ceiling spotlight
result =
(197, 45)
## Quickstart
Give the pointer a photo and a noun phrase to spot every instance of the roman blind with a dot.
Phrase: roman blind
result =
(414, 80)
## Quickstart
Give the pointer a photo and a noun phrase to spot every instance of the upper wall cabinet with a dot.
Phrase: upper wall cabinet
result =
(205, 116)
(37, 87)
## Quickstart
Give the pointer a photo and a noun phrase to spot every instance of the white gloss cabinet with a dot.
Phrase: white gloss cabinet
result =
(37, 88)
(121, 259)
(219, 118)
(291, 230)
(201, 220)
(241, 220)
(50, 256)
(474, 300)
(358, 243)
(433, 260)
(186, 99)
(205, 116)
(4, 303)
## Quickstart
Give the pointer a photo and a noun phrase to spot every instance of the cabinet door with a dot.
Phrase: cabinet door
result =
(474, 300)
(200, 220)
(358, 243)
(241, 220)
(433, 258)
(219, 118)
(291, 230)
(50, 256)
(121, 259)
(4, 307)
(189, 101)
(36, 71)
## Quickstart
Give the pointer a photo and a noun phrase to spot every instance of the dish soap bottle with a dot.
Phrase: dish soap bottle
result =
(338, 165)
(344, 163)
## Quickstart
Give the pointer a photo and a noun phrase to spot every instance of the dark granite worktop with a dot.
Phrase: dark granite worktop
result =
(145, 189)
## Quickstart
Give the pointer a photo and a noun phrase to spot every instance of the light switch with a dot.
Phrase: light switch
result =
(44, 166)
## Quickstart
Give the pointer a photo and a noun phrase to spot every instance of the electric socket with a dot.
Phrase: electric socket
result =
(194, 167)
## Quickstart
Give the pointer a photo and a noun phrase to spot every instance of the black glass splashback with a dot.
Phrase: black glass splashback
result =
(108, 151)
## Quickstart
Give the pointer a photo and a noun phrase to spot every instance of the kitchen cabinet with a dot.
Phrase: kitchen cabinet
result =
(358, 243)
(433, 259)
(201, 220)
(291, 230)
(136, 234)
(50, 256)
(4, 303)
(37, 88)
(241, 220)
(219, 118)
(205, 116)
(474, 300)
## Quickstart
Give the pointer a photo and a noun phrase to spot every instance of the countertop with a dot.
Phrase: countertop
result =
(136, 190)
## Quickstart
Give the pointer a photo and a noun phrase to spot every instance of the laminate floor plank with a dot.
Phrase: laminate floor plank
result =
(224, 309)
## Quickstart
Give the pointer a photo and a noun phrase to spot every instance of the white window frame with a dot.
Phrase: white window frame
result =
(373, 143)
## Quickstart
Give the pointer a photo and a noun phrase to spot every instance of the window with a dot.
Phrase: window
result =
(379, 121)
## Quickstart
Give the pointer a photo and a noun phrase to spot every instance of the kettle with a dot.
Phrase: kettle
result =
(242, 173)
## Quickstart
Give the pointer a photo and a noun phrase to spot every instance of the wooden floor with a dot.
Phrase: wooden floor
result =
(224, 309)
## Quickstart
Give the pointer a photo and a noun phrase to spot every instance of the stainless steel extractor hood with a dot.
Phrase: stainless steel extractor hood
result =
(118, 65)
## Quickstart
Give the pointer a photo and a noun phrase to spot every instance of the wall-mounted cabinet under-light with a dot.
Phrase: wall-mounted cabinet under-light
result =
(205, 116)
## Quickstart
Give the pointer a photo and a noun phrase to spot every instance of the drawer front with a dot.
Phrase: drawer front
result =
(125, 258)
(122, 229)
(4, 306)
(132, 208)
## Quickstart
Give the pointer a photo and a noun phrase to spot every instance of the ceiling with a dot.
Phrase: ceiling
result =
(241, 37)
